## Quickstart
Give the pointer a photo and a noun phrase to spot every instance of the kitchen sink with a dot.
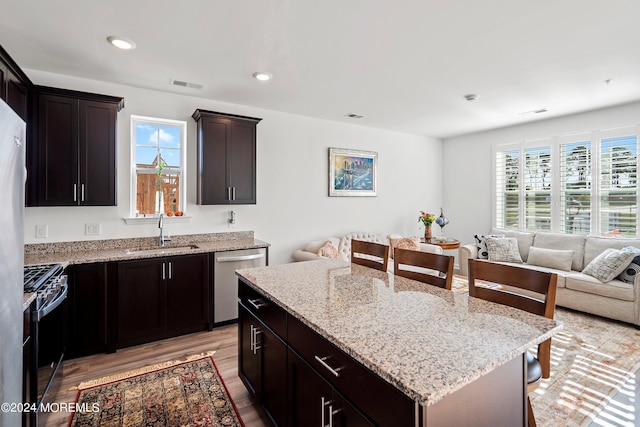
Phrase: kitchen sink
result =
(161, 250)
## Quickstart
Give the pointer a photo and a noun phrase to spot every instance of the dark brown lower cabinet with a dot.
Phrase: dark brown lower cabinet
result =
(314, 402)
(86, 322)
(301, 379)
(162, 297)
(263, 365)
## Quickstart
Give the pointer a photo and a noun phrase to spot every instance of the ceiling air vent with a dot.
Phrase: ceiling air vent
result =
(187, 84)
(353, 116)
(531, 113)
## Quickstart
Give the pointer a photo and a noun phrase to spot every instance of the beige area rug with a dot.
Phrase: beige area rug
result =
(183, 393)
(593, 359)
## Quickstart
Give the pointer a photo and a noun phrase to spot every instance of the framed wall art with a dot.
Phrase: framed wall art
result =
(352, 172)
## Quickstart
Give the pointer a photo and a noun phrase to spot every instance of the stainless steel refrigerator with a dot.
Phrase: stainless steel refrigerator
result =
(12, 177)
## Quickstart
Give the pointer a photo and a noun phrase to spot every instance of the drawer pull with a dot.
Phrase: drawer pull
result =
(257, 304)
(321, 360)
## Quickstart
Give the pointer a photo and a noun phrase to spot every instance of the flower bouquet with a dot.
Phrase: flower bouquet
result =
(427, 219)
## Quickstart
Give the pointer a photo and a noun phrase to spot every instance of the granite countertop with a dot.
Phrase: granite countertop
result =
(426, 341)
(84, 252)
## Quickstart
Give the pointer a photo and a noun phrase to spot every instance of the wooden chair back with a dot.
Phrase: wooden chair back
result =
(370, 249)
(542, 303)
(436, 262)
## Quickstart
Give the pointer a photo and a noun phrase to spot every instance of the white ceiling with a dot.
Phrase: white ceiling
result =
(405, 65)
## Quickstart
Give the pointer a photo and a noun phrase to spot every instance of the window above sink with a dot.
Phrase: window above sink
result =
(158, 168)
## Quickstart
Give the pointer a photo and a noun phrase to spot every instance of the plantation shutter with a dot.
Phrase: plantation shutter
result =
(507, 167)
(618, 184)
(537, 188)
(575, 186)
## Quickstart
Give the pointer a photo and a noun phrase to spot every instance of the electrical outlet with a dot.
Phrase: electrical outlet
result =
(42, 231)
(92, 229)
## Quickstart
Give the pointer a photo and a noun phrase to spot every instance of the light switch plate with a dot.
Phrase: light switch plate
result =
(92, 229)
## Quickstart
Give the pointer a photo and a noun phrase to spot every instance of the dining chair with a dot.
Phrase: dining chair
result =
(370, 254)
(530, 290)
(434, 269)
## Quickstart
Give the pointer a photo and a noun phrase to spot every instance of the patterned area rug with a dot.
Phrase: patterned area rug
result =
(593, 359)
(186, 393)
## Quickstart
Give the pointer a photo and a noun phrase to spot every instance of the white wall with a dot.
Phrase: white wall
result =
(467, 176)
(293, 206)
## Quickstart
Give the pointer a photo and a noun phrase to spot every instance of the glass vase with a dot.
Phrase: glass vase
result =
(427, 233)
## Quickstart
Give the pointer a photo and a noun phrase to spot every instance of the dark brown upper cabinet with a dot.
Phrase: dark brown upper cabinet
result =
(14, 85)
(71, 156)
(226, 158)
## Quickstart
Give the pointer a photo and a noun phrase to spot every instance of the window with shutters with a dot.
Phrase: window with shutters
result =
(158, 166)
(537, 188)
(618, 184)
(575, 184)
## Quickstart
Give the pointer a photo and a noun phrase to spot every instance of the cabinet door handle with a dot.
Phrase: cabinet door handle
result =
(256, 347)
(324, 403)
(82, 192)
(254, 339)
(233, 192)
(164, 271)
(228, 193)
(75, 192)
(257, 304)
(170, 270)
(321, 360)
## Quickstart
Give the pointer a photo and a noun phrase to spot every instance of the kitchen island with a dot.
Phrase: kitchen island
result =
(391, 351)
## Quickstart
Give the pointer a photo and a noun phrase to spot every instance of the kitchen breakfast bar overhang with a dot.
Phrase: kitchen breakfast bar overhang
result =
(331, 340)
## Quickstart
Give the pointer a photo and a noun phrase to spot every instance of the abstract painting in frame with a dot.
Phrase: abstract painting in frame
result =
(353, 172)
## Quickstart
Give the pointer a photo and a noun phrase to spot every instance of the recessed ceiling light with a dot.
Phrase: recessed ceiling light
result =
(121, 42)
(262, 76)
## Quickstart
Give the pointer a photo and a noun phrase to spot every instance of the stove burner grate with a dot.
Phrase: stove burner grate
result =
(36, 275)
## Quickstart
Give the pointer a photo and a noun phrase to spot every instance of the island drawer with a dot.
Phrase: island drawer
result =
(269, 313)
(383, 403)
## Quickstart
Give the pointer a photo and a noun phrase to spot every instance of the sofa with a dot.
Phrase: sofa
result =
(617, 298)
(315, 249)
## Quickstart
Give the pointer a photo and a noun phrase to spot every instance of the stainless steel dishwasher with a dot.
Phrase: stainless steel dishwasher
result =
(225, 285)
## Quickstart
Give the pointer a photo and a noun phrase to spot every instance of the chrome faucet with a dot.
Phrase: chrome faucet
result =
(162, 239)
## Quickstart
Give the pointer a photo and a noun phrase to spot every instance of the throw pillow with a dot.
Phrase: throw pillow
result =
(481, 244)
(551, 258)
(629, 274)
(503, 249)
(610, 263)
(329, 251)
(411, 243)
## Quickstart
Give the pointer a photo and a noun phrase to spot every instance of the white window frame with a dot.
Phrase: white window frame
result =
(183, 162)
(595, 138)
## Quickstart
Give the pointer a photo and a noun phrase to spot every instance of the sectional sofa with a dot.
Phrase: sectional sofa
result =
(614, 299)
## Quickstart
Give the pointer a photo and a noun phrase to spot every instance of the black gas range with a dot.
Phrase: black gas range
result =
(48, 281)
(48, 325)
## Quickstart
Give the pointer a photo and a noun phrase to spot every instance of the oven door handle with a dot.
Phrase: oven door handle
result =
(55, 303)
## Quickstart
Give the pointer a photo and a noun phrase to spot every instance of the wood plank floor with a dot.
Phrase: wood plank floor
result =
(223, 340)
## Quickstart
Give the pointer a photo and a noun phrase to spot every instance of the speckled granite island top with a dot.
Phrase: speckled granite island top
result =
(84, 252)
(426, 341)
